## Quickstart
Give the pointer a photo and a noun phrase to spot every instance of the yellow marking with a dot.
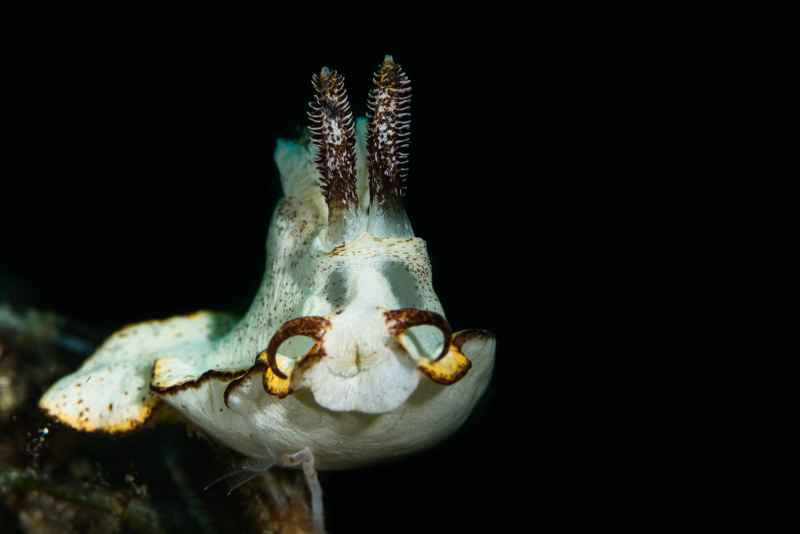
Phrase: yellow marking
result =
(449, 370)
(157, 379)
(273, 384)
(157, 369)
(83, 424)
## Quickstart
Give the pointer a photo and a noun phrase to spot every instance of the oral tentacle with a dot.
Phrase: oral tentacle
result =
(277, 370)
(450, 365)
(455, 363)
(309, 326)
(398, 321)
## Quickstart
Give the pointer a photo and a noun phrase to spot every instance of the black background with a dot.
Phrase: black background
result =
(139, 184)
(553, 176)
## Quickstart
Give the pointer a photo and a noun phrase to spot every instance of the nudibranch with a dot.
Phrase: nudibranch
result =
(345, 352)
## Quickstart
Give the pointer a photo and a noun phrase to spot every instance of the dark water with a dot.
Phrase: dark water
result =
(136, 187)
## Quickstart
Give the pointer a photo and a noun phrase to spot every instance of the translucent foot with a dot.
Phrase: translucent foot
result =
(305, 459)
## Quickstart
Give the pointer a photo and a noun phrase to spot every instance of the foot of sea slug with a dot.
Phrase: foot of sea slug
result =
(305, 459)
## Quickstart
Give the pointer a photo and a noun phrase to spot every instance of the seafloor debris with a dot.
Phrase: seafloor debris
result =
(55, 480)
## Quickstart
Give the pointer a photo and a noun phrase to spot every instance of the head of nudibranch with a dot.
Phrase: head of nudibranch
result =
(370, 325)
(346, 320)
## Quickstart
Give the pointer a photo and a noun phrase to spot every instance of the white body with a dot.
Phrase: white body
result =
(364, 401)
(263, 426)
